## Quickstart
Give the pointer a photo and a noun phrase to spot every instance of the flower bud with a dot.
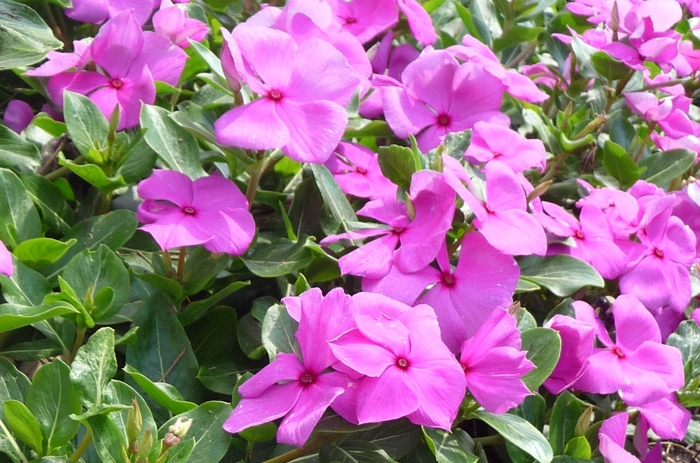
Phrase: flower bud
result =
(133, 421)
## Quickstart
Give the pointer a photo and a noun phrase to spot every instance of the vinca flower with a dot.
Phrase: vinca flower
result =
(210, 211)
(6, 266)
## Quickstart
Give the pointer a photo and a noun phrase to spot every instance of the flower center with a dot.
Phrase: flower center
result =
(443, 120)
(617, 351)
(116, 83)
(360, 170)
(402, 363)
(189, 210)
(350, 20)
(275, 95)
(306, 379)
(658, 253)
(465, 367)
(579, 235)
(398, 230)
(448, 280)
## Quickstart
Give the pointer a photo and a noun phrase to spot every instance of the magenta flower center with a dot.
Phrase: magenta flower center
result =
(658, 253)
(398, 230)
(350, 20)
(189, 210)
(617, 351)
(443, 120)
(360, 170)
(116, 83)
(579, 235)
(402, 363)
(306, 379)
(448, 280)
(275, 95)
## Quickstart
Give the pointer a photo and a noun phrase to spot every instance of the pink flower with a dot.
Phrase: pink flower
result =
(497, 142)
(576, 346)
(304, 89)
(440, 96)
(636, 365)
(300, 389)
(98, 11)
(365, 19)
(210, 211)
(357, 171)
(6, 266)
(172, 22)
(612, 437)
(493, 363)
(18, 115)
(409, 371)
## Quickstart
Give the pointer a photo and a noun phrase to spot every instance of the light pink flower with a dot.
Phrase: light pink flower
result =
(210, 211)
(173, 23)
(501, 143)
(357, 171)
(6, 266)
(612, 437)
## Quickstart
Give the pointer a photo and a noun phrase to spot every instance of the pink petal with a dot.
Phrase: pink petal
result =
(285, 367)
(163, 58)
(168, 185)
(404, 287)
(252, 126)
(372, 259)
(633, 323)
(269, 53)
(175, 230)
(429, 78)
(390, 396)
(6, 266)
(442, 388)
(361, 354)
(419, 21)
(273, 403)
(232, 230)
(403, 113)
(18, 115)
(116, 45)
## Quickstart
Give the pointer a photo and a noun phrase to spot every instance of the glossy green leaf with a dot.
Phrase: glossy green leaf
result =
(25, 37)
(619, 164)
(16, 151)
(520, 433)
(261, 433)
(221, 375)
(93, 174)
(19, 220)
(578, 447)
(397, 164)
(333, 196)
(24, 425)
(543, 347)
(561, 274)
(181, 452)
(107, 439)
(353, 451)
(454, 447)
(661, 168)
(32, 350)
(40, 252)
(533, 409)
(397, 438)
(54, 209)
(176, 148)
(197, 309)
(213, 336)
(92, 273)
(14, 385)
(94, 365)
(52, 399)
(162, 352)
(13, 316)
(278, 258)
(25, 287)
(119, 393)
(562, 423)
(163, 393)
(211, 441)
(248, 333)
(608, 67)
(86, 125)
(278, 331)
(137, 162)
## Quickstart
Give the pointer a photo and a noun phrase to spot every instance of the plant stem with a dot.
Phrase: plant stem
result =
(51, 176)
(59, 146)
(181, 263)
(312, 446)
(640, 151)
(79, 338)
(82, 447)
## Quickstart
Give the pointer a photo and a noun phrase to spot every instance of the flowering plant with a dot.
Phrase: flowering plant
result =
(324, 230)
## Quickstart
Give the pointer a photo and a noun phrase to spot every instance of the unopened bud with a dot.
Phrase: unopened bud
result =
(180, 427)
(170, 440)
(145, 444)
(133, 421)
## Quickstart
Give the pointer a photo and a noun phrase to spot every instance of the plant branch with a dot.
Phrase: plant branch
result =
(82, 447)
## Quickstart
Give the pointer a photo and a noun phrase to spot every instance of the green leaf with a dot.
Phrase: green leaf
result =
(278, 258)
(248, 334)
(210, 58)
(112, 229)
(25, 287)
(686, 339)
(661, 168)
(181, 452)
(119, 393)
(91, 273)
(278, 331)
(516, 35)
(177, 148)
(397, 438)
(353, 451)
(39, 252)
(221, 375)
(14, 385)
(93, 174)
(52, 399)
(54, 209)
(619, 164)
(520, 433)
(87, 126)
(562, 275)
(93, 366)
(608, 67)
(466, 17)
(19, 220)
(579, 447)
(32, 350)
(543, 347)
(13, 316)
(211, 441)
(195, 310)
(137, 162)
(397, 164)
(359, 128)
(16, 152)
(454, 447)
(261, 433)
(107, 439)
(163, 393)
(562, 423)
(162, 352)
(333, 196)
(24, 425)
(25, 37)
(533, 409)
(212, 336)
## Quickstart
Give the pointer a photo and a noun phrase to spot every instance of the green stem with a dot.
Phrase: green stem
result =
(490, 440)
(79, 338)
(310, 447)
(59, 146)
(82, 447)
(640, 151)
(255, 174)
(13, 442)
(51, 176)
(181, 263)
